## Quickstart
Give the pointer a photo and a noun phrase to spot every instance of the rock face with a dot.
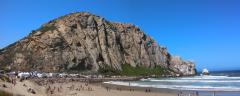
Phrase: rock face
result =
(83, 41)
(184, 67)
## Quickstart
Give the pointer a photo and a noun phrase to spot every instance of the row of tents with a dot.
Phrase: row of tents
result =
(42, 75)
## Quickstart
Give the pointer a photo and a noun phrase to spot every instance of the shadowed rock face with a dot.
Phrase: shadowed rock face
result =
(83, 41)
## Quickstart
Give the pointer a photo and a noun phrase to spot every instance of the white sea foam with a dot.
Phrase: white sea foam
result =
(206, 83)
(210, 77)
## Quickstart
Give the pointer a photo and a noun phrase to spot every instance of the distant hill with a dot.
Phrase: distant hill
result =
(83, 42)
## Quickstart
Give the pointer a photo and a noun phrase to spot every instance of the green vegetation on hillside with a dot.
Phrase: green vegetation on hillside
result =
(128, 70)
(108, 70)
(47, 28)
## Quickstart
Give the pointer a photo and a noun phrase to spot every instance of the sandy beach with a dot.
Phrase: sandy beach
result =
(30, 88)
(81, 87)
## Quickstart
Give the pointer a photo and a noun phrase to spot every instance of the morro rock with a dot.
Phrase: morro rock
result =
(86, 42)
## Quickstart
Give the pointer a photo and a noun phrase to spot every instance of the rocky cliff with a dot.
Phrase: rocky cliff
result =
(86, 42)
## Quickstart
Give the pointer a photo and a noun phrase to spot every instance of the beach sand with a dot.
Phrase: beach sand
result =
(75, 89)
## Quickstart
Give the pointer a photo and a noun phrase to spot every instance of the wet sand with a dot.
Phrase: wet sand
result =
(171, 92)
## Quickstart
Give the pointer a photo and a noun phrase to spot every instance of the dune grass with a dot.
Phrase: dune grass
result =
(3, 93)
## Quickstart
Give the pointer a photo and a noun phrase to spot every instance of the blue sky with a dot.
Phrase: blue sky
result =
(206, 31)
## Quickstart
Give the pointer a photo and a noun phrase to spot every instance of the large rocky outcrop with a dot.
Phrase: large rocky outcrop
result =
(82, 41)
(179, 65)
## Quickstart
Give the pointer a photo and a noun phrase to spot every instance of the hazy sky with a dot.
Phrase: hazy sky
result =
(206, 31)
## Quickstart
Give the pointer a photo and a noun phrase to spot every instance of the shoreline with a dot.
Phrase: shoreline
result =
(139, 87)
(145, 89)
(167, 90)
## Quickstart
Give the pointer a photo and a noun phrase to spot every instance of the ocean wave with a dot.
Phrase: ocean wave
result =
(208, 77)
(201, 79)
(206, 81)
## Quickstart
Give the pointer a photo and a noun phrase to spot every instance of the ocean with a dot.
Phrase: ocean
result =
(222, 83)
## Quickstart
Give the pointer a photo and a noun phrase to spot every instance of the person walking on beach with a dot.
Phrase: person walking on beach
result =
(129, 84)
(48, 89)
(214, 93)
(197, 94)
(108, 89)
(14, 82)
(180, 93)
